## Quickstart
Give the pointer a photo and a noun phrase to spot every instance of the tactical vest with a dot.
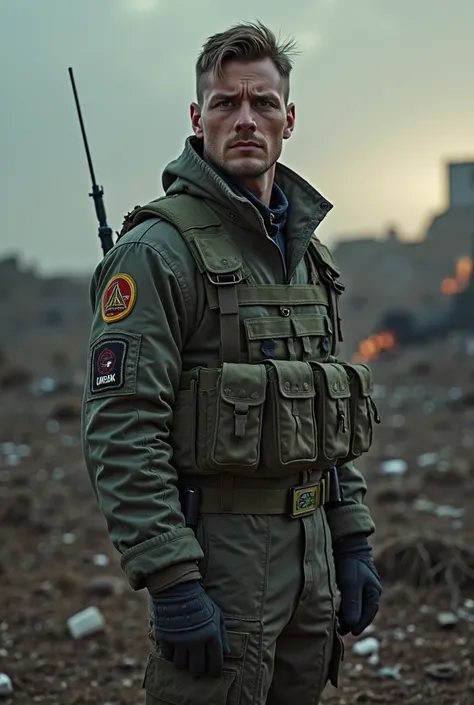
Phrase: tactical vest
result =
(265, 417)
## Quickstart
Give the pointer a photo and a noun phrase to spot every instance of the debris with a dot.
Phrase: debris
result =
(442, 671)
(104, 586)
(427, 459)
(395, 466)
(425, 560)
(86, 622)
(390, 672)
(6, 686)
(447, 620)
(100, 559)
(366, 647)
(374, 659)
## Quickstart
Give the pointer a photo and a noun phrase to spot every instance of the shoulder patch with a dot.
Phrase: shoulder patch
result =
(118, 298)
(113, 365)
(108, 362)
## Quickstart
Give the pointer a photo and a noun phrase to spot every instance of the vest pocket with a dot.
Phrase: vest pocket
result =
(332, 408)
(294, 337)
(289, 441)
(230, 417)
(364, 413)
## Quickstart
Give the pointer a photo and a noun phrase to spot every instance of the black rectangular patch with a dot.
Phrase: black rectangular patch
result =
(108, 365)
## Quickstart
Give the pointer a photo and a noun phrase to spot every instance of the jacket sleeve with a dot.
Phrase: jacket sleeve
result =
(353, 516)
(141, 310)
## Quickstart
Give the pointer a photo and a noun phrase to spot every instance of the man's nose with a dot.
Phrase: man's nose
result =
(245, 119)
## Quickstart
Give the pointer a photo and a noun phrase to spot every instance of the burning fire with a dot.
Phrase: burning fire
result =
(385, 341)
(460, 281)
(371, 347)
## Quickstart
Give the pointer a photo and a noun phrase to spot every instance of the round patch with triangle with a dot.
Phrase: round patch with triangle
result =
(118, 298)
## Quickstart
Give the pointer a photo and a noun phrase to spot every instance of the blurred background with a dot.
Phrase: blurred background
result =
(384, 101)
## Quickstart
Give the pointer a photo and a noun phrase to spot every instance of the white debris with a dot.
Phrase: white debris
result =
(6, 686)
(68, 539)
(390, 672)
(446, 620)
(45, 385)
(426, 459)
(100, 559)
(441, 510)
(86, 622)
(374, 659)
(444, 510)
(366, 647)
(396, 466)
(399, 634)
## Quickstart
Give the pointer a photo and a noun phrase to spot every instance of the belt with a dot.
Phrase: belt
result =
(220, 495)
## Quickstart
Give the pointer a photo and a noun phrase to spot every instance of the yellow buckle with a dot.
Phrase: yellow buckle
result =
(305, 499)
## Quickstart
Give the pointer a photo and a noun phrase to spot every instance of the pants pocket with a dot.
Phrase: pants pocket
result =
(332, 407)
(230, 417)
(364, 414)
(289, 440)
(166, 685)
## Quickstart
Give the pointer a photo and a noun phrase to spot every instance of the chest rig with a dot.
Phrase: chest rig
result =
(230, 285)
(294, 410)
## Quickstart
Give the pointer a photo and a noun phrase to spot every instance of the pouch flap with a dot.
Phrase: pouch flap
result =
(311, 325)
(364, 378)
(295, 379)
(337, 382)
(283, 295)
(243, 383)
(218, 253)
(292, 327)
(325, 256)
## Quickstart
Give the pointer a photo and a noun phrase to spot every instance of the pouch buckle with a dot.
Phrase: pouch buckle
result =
(224, 279)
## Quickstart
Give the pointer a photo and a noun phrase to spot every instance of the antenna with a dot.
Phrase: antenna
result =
(105, 232)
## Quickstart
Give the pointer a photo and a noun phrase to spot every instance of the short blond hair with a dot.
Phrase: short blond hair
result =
(245, 42)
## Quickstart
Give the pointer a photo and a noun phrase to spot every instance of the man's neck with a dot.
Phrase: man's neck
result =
(261, 186)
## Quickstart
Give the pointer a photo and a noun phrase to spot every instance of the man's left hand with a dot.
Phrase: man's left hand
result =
(358, 583)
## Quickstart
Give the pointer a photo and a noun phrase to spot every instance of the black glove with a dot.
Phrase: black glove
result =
(190, 629)
(358, 583)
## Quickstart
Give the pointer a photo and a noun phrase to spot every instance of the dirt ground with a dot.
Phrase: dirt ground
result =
(56, 560)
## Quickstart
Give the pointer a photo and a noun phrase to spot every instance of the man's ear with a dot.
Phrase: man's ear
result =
(290, 121)
(195, 113)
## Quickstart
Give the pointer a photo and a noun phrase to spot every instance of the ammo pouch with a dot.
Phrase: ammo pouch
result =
(363, 411)
(272, 419)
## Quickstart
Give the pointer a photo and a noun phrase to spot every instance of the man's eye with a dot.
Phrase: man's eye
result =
(224, 104)
(263, 103)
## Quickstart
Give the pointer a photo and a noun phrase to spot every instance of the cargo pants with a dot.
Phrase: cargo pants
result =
(273, 578)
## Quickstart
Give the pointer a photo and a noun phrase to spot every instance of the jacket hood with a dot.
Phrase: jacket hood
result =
(189, 173)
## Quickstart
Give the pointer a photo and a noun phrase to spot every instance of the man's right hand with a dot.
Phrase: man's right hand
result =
(190, 629)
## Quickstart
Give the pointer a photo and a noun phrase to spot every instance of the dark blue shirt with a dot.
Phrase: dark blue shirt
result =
(273, 216)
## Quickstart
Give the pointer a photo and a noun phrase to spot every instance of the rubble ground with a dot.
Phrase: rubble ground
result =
(56, 559)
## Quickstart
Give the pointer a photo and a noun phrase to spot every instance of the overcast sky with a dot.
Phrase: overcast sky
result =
(383, 91)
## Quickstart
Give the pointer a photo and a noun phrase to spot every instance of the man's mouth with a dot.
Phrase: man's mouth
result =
(244, 145)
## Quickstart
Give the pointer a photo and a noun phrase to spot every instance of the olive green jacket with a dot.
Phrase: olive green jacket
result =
(170, 328)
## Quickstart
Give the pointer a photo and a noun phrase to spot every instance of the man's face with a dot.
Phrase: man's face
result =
(243, 118)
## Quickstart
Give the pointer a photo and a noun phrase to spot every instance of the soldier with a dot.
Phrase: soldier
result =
(219, 425)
